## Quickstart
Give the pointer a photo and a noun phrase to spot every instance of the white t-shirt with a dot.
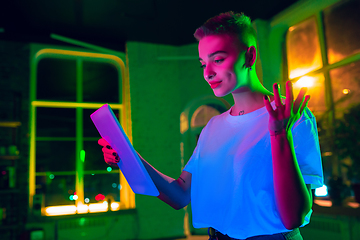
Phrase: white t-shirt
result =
(232, 180)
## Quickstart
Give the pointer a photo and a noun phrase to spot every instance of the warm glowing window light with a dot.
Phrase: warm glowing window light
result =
(303, 48)
(305, 81)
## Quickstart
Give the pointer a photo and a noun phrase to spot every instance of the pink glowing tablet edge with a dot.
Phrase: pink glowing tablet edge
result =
(130, 165)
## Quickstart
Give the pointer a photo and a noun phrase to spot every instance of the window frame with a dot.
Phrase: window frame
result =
(317, 12)
(39, 52)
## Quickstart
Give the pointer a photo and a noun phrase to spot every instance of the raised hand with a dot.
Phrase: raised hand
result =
(282, 118)
(110, 156)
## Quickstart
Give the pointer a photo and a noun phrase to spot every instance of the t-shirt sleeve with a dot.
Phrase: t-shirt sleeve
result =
(307, 149)
(189, 167)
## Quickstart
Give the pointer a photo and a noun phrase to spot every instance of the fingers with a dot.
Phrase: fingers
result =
(289, 98)
(103, 142)
(110, 155)
(305, 103)
(111, 160)
(268, 105)
(299, 100)
(277, 99)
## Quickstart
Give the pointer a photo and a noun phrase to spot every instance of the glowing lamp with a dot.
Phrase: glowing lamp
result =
(346, 91)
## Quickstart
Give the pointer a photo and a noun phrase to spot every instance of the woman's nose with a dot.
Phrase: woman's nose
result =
(209, 74)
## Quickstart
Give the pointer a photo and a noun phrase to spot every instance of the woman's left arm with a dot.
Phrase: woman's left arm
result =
(293, 196)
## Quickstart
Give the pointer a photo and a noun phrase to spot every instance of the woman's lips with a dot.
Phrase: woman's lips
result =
(214, 84)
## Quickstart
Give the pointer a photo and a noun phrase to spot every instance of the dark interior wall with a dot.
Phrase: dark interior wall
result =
(155, 107)
(14, 106)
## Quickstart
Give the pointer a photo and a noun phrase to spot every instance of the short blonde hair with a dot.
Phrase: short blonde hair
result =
(230, 23)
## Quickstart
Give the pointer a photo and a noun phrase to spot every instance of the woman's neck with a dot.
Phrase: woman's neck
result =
(247, 101)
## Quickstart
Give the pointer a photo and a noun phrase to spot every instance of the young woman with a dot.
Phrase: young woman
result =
(251, 174)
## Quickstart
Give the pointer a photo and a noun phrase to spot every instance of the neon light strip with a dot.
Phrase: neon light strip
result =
(10, 124)
(73, 105)
(81, 209)
(87, 45)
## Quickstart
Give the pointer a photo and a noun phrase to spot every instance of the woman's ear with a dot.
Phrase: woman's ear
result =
(250, 56)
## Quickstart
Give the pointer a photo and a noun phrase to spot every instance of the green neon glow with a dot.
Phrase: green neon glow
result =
(82, 221)
(82, 155)
(109, 169)
(71, 197)
(51, 176)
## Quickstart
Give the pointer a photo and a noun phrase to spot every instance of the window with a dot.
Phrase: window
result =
(66, 163)
(202, 115)
(323, 54)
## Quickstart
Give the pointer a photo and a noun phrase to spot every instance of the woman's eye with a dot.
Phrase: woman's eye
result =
(219, 60)
(203, 66)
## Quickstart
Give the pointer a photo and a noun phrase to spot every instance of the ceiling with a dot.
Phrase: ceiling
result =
(110, 23)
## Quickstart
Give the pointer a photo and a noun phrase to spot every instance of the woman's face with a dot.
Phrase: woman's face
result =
(223, 61)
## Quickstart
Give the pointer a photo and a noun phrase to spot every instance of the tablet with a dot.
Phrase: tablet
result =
(130, 165)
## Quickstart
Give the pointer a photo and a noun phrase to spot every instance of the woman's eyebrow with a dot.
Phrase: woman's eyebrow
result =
(214, 53)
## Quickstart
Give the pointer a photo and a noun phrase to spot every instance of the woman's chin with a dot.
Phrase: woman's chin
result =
(220, 93)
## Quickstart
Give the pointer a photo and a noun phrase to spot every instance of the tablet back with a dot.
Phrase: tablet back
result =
(130, 165)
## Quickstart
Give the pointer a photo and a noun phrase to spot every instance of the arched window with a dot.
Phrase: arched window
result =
(202, 115)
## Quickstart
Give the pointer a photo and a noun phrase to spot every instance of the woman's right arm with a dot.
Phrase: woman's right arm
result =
(175, 193)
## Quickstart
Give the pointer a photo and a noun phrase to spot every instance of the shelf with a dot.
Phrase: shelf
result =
(9, 157)
(10, 124)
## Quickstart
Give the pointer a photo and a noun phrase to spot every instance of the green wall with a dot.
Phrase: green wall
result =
(163, 79)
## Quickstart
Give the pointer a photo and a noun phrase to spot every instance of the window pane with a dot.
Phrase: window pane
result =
(100, 82)
(56, 189)
(53, 156)
(55, 122)
(105, 184)
(303, 48)
(94, 158)
(345, 82)
(316, 90)
(56, 79)
(342, 30)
